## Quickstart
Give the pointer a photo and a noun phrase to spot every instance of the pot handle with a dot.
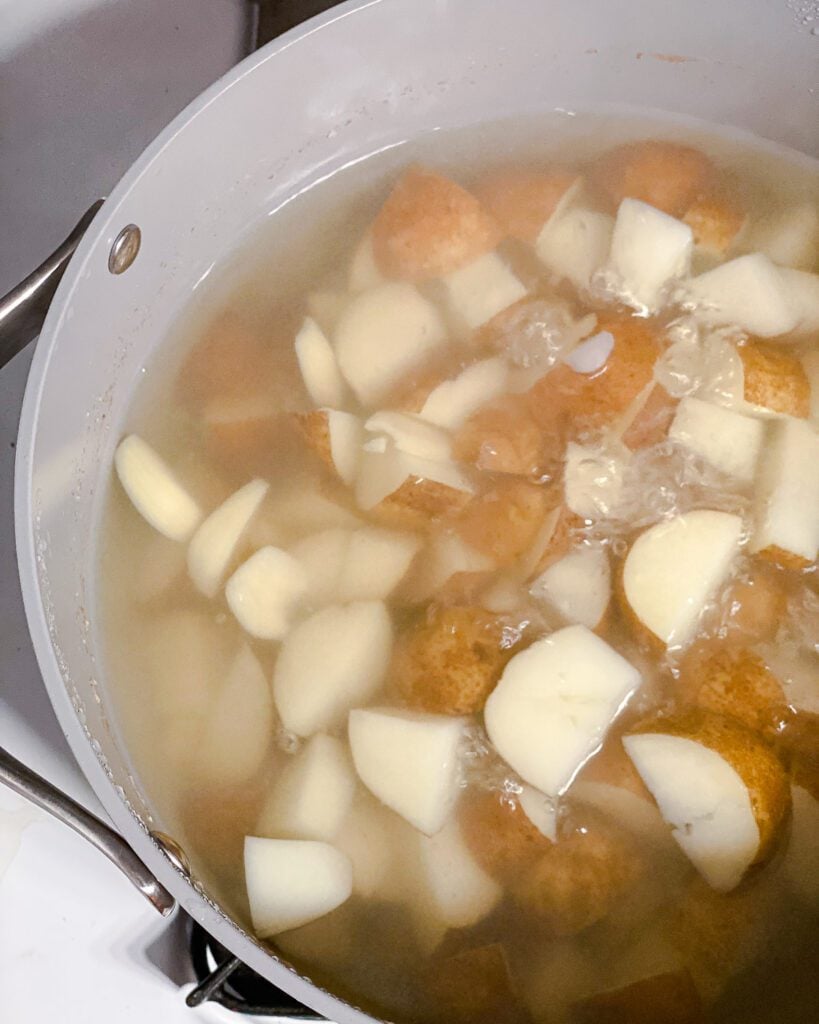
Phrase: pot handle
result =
(35, 788)
(23, 309)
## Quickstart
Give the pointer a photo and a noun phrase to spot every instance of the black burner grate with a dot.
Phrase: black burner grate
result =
(236, 987)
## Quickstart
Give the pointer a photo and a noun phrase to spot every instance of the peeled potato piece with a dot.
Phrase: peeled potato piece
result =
(265, 592)
(449, 662)
(336, 437)
(446, 556)
(292, 881)
(409, 761)
(575, 244)
(372, 837)
(774, 381)
(718, 785)
(578, 586)
(554, 703)
(452, 402)
(395, 311)
(430, 226)
(649, 250)
(790, 236)
(786, 526)
(802, 292)
(318, 365)
(412, 434)
(213, 545)
(674, 567)
(312, 793)
(737, 682)
(481, 289)
(154, 491)
(330, 662)
(747, 292)
(664, 174)
(364, 272)
(502, 837)
(725, 439)
(593, 480)
(670, 998)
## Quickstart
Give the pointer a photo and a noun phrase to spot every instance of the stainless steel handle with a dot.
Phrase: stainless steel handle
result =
(35, 788)
(23, 309)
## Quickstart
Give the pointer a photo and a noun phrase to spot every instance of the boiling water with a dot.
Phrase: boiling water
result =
(752, 953)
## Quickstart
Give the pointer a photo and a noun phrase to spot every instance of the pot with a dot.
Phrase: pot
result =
(356, 80)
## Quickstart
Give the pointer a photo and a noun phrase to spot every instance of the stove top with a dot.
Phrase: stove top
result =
(77, 943)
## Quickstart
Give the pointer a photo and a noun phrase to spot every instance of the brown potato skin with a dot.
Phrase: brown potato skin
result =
(474, 987)
(417, 503)
(522, 201)
(775, 379)
(500, 836)
(430, 226)
(449, 662)
(663, 174)
(505, 438)
(315, 429)
(503, 522)
(715, 221)
(670, 998)
(755, 606)
(230, 360)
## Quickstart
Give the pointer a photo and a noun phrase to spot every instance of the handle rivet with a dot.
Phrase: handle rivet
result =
(125, 248)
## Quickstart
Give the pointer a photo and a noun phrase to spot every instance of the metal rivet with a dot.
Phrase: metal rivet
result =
(125, 248)
(173, 851)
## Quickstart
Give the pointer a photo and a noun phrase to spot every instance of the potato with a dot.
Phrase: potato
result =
(663, 174)
(473, 987)
(504, 438)
(231, 359)
(450, 661)
(716, 221)
(580, 879)
(319, 366)
(504, 521)
(670, 998)
(649, 418)
(558, 537)
(419, 500)
(720, 787)
(154, 490)
(775, 380)
(522, 201)
(430, 226)
(737, 682)
(755, 606)
(502, 838)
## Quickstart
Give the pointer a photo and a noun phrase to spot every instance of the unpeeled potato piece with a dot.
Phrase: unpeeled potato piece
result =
(230, 360)
(774, 379)
(670, 998)
(663, 174)
(756, 605)
(503, 521)
(521, 201)
(474, 987)
(430, 226)
(505, 438)
(450, 661)
(716, 221)
(502, 838)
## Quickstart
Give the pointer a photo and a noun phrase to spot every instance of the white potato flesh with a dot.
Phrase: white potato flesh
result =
(213, 545)
(786, 513)
(326, 306)
(298, 512)
(746, 292)
(482, 289)
(154, 491)
(239, 724)
(802, 289)
(445, 555)
(377, 560)
(364, 272)
(790, 236)
(409, 761)
(452, 888)
(593, 479)
(576, 245)
(412, 434)
(265, 592)
(346, 435)
(726, 440)
(293, 881)
(649, 250)
(674, 568)
(372, 836)
(323, 557)
(801, 864)
(637, 814)
(811, 363)
(543, 811)
(384, 334)
(329, 663)
(578, 586)
(319, 367)
(554, 704)
(381, 473)
(312, 793)
(705, 802)
(452, 403)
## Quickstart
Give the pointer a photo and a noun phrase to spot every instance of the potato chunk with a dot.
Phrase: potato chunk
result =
(430, 226)
(504, 521)
(775, 381)
(522, 201)
(663, 174)
(501, 836)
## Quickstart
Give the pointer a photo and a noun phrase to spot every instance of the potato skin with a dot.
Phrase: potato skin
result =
(314, 427)
(474, 987)
(663, 174)
(755, 606)
(670, 998)
(715, 220)
(449, 662)
(522, 201)
(774, 379)
(751, 757)
(504, 438)
(500, 836)
(430, 226)
(418, 502)
(503, 522)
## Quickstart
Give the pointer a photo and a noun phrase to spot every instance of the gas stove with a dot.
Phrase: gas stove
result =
(85, 85)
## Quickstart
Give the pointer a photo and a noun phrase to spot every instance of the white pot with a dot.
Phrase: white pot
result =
(356, 80)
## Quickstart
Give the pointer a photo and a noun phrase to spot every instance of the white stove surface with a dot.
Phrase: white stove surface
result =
(77, 943)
